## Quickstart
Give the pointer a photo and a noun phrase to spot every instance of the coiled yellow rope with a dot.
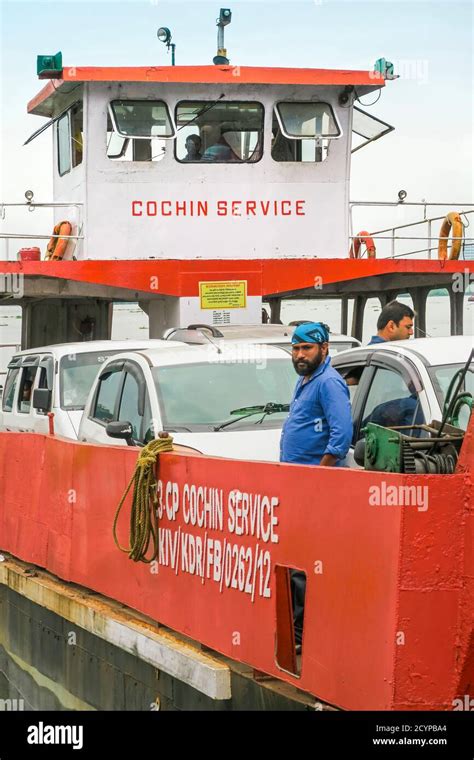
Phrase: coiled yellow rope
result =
(143, 513)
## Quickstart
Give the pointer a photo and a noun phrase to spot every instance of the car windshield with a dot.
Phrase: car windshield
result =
(202, 396)
(442, 376)
(77, 373)
(335, 347)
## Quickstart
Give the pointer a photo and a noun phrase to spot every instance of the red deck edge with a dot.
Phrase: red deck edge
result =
(264, 277)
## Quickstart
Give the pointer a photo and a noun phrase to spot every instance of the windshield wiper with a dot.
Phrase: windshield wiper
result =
(248, 411)
(202, 111)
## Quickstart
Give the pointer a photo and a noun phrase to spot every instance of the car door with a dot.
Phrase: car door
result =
(394, 396)
(121, 395)
(385, 389)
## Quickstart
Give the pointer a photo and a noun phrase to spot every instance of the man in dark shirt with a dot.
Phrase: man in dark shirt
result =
(193, 148)
(395, 322)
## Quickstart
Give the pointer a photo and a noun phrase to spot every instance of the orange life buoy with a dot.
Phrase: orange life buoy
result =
(362, 237)
(452, 220)
(56, 247)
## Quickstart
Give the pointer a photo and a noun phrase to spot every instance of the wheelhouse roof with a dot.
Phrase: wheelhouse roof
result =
(71, 76)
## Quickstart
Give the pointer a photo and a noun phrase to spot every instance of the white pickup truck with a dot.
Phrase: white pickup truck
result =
(222, 401)
(56, 379)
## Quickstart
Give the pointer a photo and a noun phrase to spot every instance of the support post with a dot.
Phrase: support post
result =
(386, 296)
(419, 296)
(344, 314)
(456, 312)
(358, 316)
(275, 310)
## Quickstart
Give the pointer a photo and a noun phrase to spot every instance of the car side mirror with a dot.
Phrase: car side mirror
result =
(359, 452)
(42, 398)
(122, 430)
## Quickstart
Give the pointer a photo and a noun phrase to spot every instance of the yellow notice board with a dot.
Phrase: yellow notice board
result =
(230, 294)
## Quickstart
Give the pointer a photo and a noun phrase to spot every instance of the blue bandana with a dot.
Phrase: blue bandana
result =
(313, 332)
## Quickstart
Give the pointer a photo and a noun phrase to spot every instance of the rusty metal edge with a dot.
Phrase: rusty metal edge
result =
(120, 626)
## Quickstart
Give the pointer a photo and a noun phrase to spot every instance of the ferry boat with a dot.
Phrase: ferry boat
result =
(204, 193)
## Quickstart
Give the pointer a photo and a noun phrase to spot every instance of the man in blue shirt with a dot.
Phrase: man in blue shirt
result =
(395, 322)
(318, 429)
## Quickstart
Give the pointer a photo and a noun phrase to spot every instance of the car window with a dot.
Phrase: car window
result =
(77, 373)
(9, 391)
(46, 370)
(107, 395)
(128, 411)
(352, 376)
(390, 402)
(26, 389)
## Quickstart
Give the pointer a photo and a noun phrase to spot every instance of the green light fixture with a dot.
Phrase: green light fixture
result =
(49, 66)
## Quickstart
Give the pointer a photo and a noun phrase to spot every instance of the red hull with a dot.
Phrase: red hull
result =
(390, 591)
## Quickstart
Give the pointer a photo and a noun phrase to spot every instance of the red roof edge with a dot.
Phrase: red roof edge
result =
(210, 75)
(43, 94)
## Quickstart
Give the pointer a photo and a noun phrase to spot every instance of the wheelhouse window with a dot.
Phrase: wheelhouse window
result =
(70, 139)
(302, 132)
(366, 128)
(138, 130)
(219, 133)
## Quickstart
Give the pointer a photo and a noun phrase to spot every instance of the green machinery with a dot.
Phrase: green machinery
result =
(393, 450)
(420, 448)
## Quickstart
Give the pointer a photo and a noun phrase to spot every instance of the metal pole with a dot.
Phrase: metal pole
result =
(173, 60)
(220, 37)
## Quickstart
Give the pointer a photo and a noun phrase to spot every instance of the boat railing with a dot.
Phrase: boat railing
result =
(390, 243)
(388, 240)
(6, 238)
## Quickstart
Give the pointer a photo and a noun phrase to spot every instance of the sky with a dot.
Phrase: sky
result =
(430, 154)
